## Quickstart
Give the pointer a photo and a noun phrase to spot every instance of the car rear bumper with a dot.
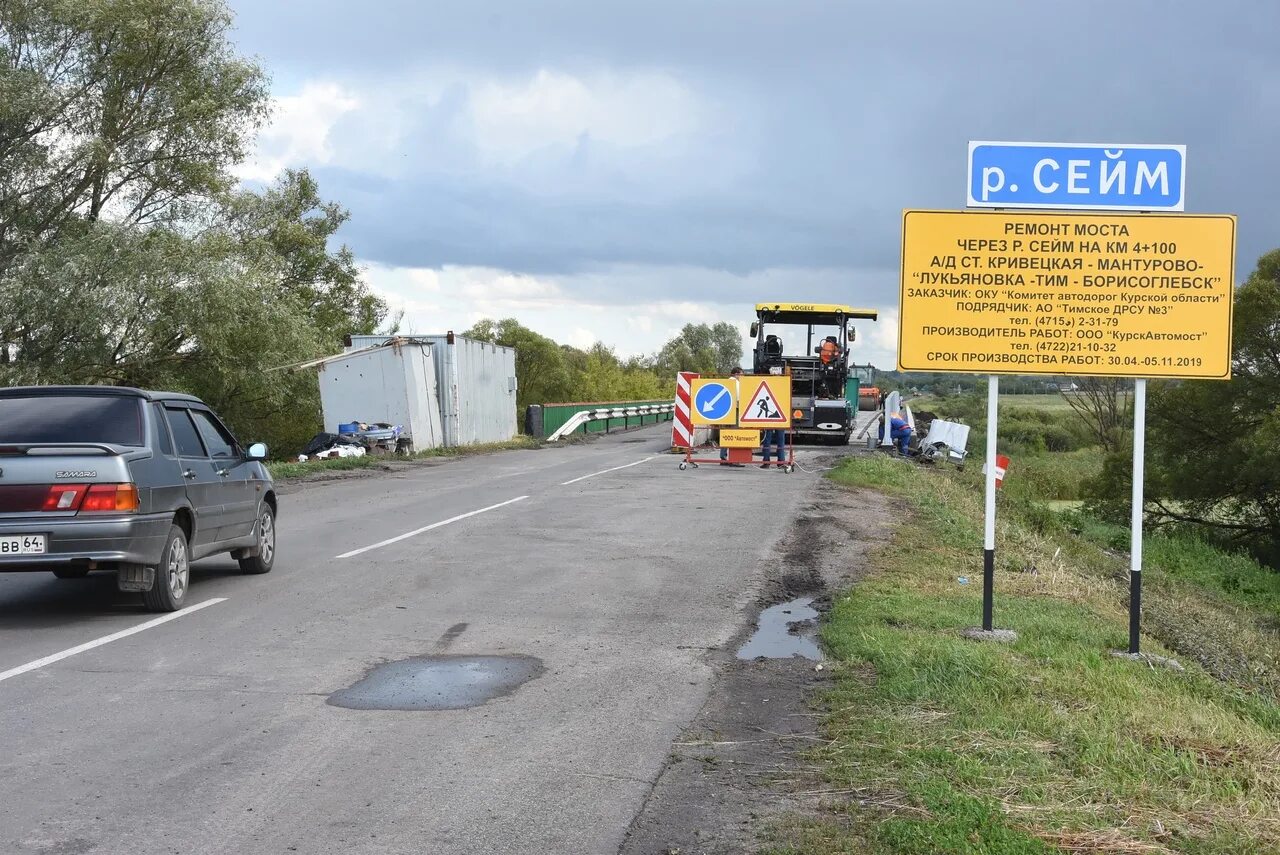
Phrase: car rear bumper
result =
(85, 540)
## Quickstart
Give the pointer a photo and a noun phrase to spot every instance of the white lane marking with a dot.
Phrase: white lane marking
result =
(107, 639)
(426, 528)
(603, 471)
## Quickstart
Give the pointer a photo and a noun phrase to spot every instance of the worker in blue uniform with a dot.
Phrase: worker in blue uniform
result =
(899, 432)
(778, 439)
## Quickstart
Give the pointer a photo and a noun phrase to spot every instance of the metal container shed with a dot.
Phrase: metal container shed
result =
(476, 386)
(392, 383)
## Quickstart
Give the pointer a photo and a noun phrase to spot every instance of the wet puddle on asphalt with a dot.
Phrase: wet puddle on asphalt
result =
(773, 639)
(438, 683)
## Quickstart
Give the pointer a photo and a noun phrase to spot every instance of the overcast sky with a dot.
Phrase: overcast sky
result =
(611, 171)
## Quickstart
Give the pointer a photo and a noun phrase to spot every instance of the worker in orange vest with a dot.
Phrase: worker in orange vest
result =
(830, 350)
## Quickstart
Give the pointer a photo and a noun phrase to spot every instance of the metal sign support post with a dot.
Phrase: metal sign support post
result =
(989, 534)
(1135, 542)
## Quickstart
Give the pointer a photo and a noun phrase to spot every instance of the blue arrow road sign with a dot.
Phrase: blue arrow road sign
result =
(713, 401)
(1077, 176)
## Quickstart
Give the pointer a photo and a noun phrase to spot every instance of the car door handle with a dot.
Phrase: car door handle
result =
(189, 474)
(224, 472)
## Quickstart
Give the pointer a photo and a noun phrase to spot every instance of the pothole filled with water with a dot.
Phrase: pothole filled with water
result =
(774, 639)
(438, 683)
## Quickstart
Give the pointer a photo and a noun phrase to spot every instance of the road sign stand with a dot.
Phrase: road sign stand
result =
(746, 456)
(769, 404)
(989, 529)
(1135, 535)
(1164, 281)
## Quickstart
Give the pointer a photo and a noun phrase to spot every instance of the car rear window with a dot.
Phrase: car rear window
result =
(71, 419)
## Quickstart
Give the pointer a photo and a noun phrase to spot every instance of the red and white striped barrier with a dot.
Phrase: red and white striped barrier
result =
(682, 424)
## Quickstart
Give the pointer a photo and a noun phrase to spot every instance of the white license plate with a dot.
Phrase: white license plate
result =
(23, 544)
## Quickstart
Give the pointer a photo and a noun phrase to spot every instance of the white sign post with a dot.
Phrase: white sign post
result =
(1135, 520)
(989, 532)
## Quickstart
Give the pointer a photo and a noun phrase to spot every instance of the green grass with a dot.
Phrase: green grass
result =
(945, 745)
(292, 470)
(1045, 475)
(285, 471)
(480, 448)
(1035, 402)
(1185, 559)
(1054, 403)
(1236, 577)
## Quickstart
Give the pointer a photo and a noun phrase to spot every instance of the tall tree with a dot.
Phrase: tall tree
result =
(727, 341)
(702, 348)
(127, 256)
(285, 232)
(129, 110)
(542, 375)
(1105, 404)
(606, 378)
(1211, 446)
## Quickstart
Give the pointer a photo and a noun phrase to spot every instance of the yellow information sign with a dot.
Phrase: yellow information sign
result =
(766, 401)
(714, 401)
(739, 438)
(1116, 295)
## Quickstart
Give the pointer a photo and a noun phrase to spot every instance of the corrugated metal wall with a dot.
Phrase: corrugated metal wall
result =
(394, 385)
(484, 376)
(483, 409)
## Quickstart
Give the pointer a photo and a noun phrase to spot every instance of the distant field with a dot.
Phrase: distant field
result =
(1037, 402)
(1029, 402)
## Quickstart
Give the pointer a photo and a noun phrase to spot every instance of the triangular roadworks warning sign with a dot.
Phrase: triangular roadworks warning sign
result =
(764, 408)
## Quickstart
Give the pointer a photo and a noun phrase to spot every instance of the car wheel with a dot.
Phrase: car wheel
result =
(266, 548)
(173, 576)
(71, 572)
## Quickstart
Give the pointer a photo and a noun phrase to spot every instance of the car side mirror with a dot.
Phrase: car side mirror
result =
(755, 328)
(258, 451)
(853, 335)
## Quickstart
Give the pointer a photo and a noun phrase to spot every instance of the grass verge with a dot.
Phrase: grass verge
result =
(293, 471)
(938, 744)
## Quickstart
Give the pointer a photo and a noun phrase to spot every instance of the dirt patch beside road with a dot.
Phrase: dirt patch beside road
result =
(739, 765)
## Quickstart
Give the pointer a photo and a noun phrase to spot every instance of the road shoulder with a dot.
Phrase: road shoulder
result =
(739, 766)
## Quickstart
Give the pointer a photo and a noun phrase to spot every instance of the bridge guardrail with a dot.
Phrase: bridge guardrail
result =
(560, 420)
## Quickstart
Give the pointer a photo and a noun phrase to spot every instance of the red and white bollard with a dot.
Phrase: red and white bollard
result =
(682, 424)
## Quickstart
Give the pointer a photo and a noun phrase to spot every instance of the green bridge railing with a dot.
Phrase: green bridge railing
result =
(545, 419)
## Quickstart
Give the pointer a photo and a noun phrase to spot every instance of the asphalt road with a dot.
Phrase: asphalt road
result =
(210, 733)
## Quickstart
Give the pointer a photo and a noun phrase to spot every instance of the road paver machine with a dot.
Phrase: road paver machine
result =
(810, 341)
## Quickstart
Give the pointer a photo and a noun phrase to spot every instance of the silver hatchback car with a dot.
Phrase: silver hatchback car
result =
(139, 483)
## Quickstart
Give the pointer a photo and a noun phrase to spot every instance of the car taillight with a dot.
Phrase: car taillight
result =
(64, 497)
(92, 498)
(111, 497)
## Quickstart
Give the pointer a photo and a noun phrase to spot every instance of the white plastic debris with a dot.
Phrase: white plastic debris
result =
(341, 451)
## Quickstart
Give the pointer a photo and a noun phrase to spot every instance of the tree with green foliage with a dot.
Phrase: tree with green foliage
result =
(702, 348)
(606, 378)
(542, 374)
(548, 373)
(1105, 404)
(131, 111)
(287, 231)
(1213, 448)
(127, 253)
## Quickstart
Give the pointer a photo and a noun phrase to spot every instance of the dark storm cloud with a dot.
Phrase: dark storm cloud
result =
(843, 114)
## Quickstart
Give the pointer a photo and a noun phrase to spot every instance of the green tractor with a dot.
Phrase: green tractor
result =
(821, 407)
